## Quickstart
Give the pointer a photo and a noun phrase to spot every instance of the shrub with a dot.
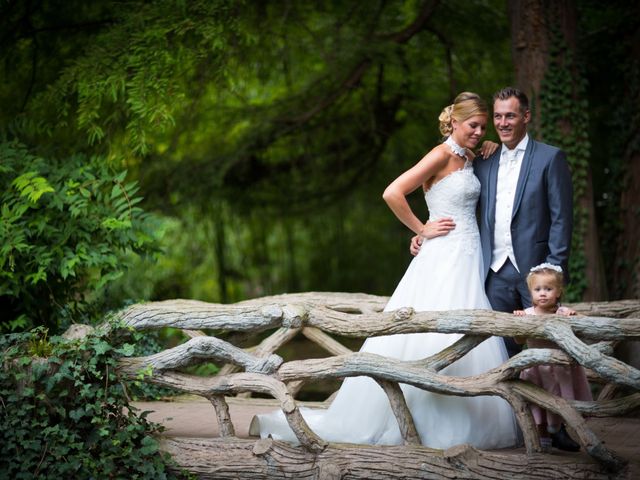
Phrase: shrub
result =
(65, 227)
(68, 416)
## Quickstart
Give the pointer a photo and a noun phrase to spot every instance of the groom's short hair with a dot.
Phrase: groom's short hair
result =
(507, 92)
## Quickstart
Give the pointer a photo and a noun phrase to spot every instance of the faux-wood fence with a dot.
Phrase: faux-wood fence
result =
(587, 338)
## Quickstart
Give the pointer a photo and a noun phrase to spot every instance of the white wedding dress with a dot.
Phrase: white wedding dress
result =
(445, 275)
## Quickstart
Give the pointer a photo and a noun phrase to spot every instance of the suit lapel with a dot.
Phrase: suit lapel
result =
(492, 187)
(527, 160)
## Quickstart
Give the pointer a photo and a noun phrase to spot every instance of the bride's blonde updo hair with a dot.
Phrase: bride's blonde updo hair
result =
(466, 105)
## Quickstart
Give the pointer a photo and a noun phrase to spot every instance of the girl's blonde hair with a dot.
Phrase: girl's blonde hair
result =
(544, 269)
(466, 105)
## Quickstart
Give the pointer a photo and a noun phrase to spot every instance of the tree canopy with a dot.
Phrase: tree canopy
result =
(263, 133)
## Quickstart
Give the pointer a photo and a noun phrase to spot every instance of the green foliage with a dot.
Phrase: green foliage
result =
(67, 415)
(39, 345)
(126, 81)
(64, 229)
(356, 245)
(266, 132)
(259, 97)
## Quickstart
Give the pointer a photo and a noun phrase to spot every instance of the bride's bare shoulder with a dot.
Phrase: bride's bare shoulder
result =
(438, 156)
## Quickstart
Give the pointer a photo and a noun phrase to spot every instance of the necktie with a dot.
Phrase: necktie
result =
(512, 156)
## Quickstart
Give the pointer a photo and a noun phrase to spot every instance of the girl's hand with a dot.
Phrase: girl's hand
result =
(519, 313)
(437, 228)
(488, 148)
(566, 311)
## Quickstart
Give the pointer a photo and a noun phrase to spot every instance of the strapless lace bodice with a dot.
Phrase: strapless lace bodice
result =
(456, 196)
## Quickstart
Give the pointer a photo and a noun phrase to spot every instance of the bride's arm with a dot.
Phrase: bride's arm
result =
(395, 194)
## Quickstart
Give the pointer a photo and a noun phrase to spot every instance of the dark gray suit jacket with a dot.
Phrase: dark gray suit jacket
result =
(542, 218)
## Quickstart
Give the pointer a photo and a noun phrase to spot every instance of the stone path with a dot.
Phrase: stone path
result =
(192, 416)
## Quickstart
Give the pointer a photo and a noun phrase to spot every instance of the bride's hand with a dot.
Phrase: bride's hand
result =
(488, 148)
(437, 228)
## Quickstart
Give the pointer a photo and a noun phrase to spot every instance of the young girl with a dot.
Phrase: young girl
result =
(545, 284)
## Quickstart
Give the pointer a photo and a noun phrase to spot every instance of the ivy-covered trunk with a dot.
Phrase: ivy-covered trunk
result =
(548, 69)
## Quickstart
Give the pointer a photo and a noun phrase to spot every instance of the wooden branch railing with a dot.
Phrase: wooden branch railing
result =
(317, 316)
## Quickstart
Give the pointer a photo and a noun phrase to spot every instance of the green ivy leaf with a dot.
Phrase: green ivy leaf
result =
(77, 414)
(126, 350)
(101, 347)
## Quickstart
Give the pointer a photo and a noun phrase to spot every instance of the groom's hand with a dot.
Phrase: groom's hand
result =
(431, 229)
(416, 243)
(488, 148)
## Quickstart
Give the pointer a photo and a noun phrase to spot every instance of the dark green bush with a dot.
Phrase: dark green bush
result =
(67, 415)
(65, 227)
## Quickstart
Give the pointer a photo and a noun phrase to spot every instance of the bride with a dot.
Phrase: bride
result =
(446, 274)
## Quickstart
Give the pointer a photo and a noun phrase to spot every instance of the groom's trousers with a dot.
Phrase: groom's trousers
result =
(507, 291)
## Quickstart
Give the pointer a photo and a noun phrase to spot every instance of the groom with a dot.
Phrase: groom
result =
(525, 212)
(525, 207)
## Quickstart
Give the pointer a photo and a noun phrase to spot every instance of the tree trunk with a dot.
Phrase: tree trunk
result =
(594, 269)
(529, 49)
(627, 271)
(533, 23)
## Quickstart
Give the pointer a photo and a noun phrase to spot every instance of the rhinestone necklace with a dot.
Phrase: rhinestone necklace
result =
(455, 148)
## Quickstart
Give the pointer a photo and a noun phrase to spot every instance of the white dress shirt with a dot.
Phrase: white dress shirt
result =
(508, 173)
